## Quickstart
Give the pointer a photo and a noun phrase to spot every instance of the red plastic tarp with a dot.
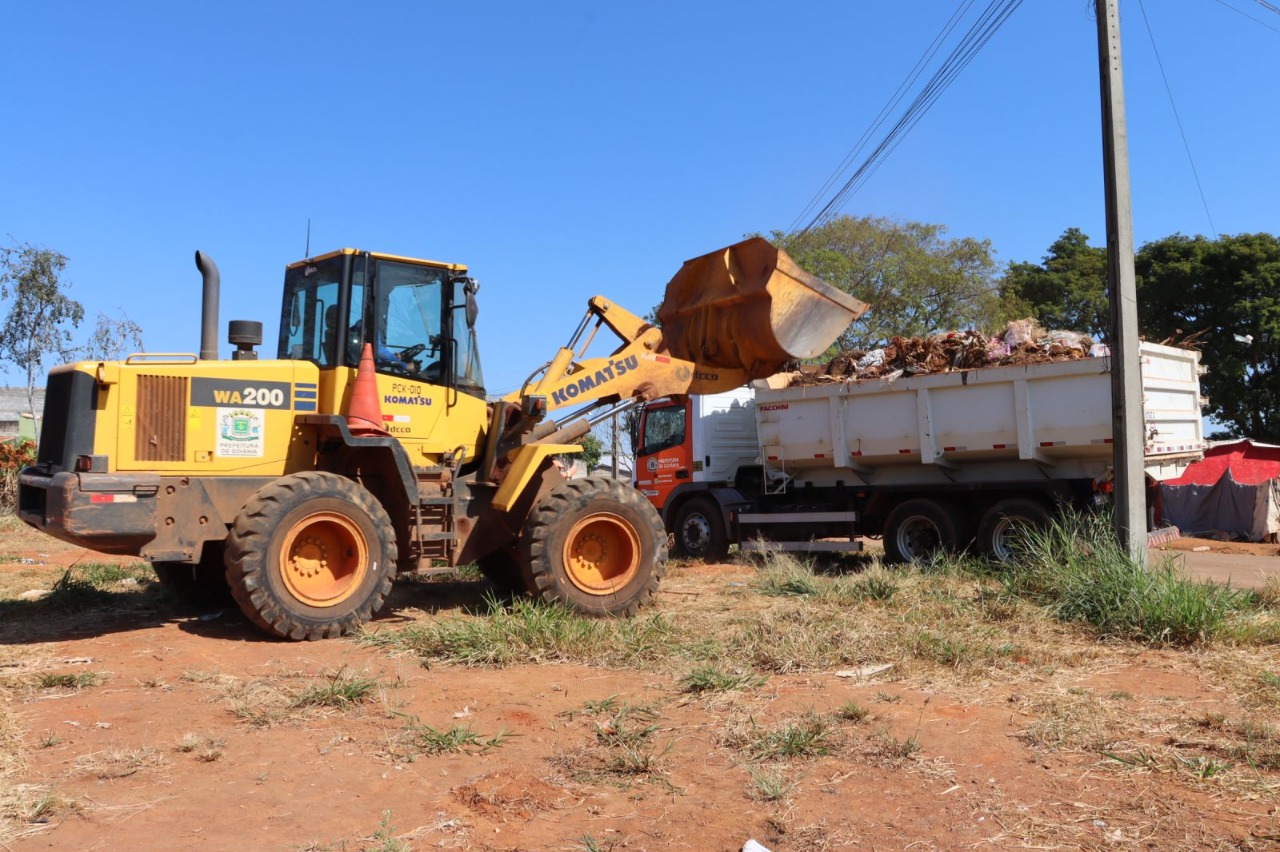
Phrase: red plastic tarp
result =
(1249, 463)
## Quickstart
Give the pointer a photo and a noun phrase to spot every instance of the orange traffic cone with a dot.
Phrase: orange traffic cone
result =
(364, 415)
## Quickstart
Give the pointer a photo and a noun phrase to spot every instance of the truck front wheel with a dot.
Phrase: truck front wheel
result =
(595, 545)
(311, 555)
(699, 530)
(917, 530)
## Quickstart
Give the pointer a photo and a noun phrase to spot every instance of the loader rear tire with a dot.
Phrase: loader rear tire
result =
(595, 545)
(311, 555)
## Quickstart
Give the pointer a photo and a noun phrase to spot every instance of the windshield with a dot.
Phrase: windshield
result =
(409, 317)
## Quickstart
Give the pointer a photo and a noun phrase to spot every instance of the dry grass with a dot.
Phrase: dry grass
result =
(119, 763)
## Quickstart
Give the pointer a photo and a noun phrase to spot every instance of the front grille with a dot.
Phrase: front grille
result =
(162, 419)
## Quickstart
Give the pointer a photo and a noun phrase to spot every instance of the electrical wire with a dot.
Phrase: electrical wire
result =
(1178, 119)
(990, 20)
(1257, 21)
(914, 74)
(1270, 7)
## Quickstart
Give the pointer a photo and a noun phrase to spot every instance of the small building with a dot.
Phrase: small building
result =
(13, 404)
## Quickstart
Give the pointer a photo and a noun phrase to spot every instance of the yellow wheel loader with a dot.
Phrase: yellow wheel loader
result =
(367, 446)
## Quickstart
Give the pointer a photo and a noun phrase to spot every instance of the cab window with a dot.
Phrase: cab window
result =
(663, 428)
(309, 320)
(409, 316)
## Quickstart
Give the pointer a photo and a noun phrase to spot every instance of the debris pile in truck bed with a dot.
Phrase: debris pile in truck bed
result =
(1023, 342)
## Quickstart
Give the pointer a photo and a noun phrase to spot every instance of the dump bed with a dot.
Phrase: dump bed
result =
(1053, 419)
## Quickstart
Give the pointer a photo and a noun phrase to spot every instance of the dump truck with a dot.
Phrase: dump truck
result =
(368, 446)
(950, 460)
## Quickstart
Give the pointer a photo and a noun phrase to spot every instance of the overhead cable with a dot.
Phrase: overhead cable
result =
(1257, 21)
(882, 116)
(1185, 144)
(991, 19)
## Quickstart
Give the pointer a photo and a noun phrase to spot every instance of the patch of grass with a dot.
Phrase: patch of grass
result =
(339, 690)
(105, 575)
(529, 631)
(715, 679)
(808, 736)
(67, 680)
(1078, 571)
(204, 748)
(852, 711)
(118, 763)
(876, 584)
(770, 785)
(385, 839)
(894, 749)
(422, 739)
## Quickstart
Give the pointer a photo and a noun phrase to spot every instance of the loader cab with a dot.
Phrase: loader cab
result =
(419, 316)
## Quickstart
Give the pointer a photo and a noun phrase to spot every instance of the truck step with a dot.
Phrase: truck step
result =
(758, 546)
(797, 517)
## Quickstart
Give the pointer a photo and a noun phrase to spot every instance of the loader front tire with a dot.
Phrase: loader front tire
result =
(311, 555)
(595, 545)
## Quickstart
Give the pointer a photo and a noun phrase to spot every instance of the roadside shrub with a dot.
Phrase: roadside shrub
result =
(14, 456)
(1077, 569)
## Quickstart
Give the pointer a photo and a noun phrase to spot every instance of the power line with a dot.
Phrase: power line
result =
(1270, 7)
(1185, 144)
(894, 100)
(1257, 21)
(996, 13)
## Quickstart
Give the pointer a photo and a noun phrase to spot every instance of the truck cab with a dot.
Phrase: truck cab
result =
(691, 453)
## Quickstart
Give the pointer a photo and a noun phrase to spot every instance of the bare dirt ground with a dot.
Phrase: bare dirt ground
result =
(147, 723)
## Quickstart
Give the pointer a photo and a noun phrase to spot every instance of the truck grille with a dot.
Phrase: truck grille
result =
(162, 419)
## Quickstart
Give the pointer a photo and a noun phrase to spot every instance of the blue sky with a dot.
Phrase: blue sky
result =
(566, 149)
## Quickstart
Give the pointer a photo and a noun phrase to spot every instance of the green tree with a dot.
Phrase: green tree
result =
(39, 310)
(112, 338)
(1068, 290)
(916, 280)
(1226, 292)
(592, 450)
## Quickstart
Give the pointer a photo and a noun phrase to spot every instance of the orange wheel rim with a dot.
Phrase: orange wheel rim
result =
(323, 559)
(601, 554)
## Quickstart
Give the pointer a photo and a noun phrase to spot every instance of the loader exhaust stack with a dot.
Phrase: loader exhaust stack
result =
(751, 307)
(209, 310)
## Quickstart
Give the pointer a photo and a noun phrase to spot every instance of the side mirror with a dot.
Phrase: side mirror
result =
(470, 288)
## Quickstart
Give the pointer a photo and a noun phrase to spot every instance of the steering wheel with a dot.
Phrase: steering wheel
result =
(411, 352)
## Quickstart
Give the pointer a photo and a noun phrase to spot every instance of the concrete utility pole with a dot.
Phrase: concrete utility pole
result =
(1126, 376)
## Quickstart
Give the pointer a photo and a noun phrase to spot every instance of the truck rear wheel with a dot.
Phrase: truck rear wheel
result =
(595, 545)
(699, 530)
(999, 530)
(311, 555)
(918, 529)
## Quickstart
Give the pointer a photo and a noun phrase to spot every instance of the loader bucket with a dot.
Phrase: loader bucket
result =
(751, 307)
